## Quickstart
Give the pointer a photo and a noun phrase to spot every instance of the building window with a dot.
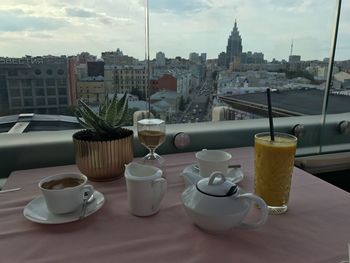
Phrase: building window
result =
(39, 82)
(12, 72)
(26, 82)
(62, 101)
(51, 101)
(50, 82)
(27, 92)
(60, 72)
(40, 102)
(49, 72)
(51, 91)
(28, 102)
(14, 83)
(62, 91)
(61, 82)
(16, 102)
(39, 92)
(15, 93)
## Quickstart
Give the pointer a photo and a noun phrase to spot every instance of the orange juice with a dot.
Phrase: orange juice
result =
(274, 161)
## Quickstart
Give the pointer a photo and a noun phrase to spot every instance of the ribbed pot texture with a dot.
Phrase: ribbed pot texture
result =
(103, 160)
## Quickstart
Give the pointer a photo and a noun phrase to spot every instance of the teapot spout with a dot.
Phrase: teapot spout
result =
(190, 178)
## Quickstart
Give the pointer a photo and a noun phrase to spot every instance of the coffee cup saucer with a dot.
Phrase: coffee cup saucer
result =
(235, 175)
(36, 211)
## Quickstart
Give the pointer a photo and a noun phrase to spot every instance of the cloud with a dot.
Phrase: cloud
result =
(39, 35)
(177, 27)
(106, 20)
(80, 12)
(83, 13)
(17, 20)
(179, 6)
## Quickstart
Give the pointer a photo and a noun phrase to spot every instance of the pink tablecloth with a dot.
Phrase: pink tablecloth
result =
(315, 229)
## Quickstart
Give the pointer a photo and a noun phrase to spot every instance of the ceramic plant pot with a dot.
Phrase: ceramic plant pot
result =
(103, 160)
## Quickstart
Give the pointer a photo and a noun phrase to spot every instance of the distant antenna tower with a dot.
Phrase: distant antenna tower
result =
(291, 48)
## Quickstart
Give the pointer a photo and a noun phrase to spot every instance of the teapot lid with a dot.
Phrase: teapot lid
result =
(216, 185)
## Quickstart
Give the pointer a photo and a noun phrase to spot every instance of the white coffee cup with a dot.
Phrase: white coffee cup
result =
(145, 188)
(65, 199)
(210, 161)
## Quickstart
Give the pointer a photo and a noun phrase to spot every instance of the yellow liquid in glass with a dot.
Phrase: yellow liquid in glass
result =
(151, 139)
(274, 163)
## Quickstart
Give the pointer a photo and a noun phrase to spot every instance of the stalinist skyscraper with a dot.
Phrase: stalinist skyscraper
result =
(234, 46)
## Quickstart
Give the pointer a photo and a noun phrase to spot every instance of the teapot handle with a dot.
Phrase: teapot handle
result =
(263, 210)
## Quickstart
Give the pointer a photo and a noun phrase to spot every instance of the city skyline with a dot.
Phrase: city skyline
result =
(177, 29)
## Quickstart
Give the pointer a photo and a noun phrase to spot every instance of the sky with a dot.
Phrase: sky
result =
(177, 27)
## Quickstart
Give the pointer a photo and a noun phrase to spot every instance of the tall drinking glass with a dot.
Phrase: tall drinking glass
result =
(151, 133)
(274, 162)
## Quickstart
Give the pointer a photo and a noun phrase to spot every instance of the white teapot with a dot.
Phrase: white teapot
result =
(215, 205)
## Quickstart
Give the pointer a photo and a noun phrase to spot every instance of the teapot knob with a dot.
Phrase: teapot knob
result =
(217, 185)
(216, 175)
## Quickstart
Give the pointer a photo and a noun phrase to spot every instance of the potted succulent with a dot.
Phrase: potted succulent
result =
(103, 148)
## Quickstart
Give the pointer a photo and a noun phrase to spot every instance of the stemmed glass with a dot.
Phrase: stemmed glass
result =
(151, 133)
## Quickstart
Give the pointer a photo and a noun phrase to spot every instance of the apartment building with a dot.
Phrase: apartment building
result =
(91, 89)
(35, 84)
(125, 78)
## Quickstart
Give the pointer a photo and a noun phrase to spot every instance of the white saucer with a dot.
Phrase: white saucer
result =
(235, 175)
(36, 211)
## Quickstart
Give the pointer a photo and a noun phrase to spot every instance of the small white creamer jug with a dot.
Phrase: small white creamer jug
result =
(145, 188)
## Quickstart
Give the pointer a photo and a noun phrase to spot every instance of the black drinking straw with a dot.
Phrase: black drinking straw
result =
(272, 132)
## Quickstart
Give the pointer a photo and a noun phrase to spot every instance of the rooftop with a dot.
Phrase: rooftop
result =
(341, 76)
(296, 102)
(164, 94)
(37, 122)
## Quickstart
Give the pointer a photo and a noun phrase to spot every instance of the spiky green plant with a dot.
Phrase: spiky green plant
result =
(109, 119)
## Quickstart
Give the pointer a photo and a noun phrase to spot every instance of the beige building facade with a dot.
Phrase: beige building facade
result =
(91, 90)
(123, 79)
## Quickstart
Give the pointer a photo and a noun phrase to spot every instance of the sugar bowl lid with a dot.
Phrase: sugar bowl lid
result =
(216, 185)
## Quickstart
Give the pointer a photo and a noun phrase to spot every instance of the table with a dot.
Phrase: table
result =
(315, 229)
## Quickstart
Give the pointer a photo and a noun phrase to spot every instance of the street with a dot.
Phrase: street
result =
(197, 109)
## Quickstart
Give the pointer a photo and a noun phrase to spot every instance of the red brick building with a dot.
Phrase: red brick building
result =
(72, 62)
(165, 82)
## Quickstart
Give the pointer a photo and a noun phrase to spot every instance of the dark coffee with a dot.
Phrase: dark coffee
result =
(62, 183)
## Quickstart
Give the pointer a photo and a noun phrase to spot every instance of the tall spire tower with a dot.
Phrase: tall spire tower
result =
(291, 48)
(234, 46)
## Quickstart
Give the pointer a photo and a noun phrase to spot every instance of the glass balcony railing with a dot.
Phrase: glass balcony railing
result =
(210, 64)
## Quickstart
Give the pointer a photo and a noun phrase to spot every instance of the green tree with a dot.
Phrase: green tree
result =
(182, 103)
(137, 92)
(214, 74)
(299, 73)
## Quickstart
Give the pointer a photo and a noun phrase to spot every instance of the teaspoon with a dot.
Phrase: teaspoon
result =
(85, 203)
(196, 167)
(10, 190)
